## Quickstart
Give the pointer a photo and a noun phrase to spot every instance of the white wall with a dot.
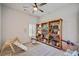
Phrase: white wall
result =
(16, 23)
(69, 14)
(0, 25)
(78, 24)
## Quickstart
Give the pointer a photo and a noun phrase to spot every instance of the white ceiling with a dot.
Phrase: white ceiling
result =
(48, 8)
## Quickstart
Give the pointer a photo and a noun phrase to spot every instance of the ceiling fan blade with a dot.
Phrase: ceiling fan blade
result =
(35, 4)
(40, 10)
(25, 7)
(42, 4)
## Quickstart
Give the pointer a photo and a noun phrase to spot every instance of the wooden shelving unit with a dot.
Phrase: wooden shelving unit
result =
(50, 33)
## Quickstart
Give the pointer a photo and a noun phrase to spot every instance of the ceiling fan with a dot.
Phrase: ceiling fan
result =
(36, 7)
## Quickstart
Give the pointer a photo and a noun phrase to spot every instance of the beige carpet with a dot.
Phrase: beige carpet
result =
(8, 51)
(38, 49)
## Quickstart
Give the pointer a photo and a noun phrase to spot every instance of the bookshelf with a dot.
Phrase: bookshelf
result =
(50, 33)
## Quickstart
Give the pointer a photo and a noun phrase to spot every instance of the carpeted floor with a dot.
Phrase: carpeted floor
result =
(41, 49)
(38, 49)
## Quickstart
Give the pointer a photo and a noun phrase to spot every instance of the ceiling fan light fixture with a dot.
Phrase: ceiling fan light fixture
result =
(35, 8)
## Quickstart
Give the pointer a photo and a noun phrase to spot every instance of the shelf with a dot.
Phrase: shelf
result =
(51, 45)
(51, 28)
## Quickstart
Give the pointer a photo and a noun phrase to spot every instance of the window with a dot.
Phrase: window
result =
(32, 30)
